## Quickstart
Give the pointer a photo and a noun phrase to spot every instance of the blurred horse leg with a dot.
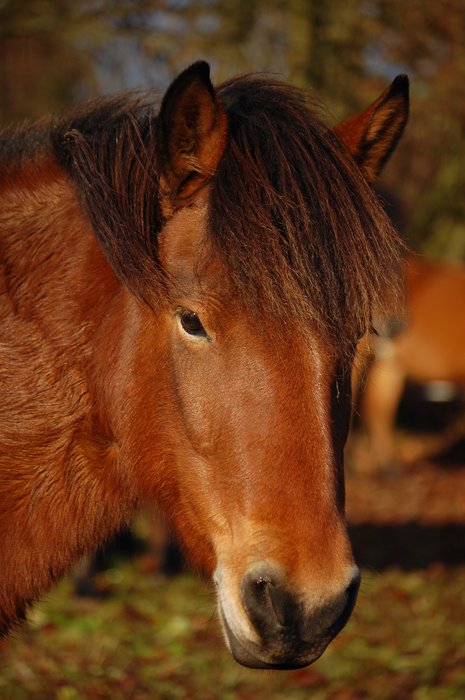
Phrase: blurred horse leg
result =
(379, 403)
(163, 548)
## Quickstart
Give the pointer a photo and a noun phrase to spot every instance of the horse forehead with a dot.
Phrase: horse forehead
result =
(181, 238)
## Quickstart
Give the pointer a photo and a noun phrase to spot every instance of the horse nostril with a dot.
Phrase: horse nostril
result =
(291, 630)
(273, 609)
(258, 593)
(265, 599)
(260, 590)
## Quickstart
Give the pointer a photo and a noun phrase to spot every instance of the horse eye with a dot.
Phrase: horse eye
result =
(191, 324)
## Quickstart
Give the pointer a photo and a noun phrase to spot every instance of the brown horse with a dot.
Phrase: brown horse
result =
(428, 347)
(181, 295)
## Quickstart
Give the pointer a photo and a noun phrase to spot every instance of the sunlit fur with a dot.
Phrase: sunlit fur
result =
(275, 240)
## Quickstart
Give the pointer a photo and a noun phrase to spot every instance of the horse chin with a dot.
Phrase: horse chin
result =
(250, 654)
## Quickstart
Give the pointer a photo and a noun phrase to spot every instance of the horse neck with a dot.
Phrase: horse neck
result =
(61, 493)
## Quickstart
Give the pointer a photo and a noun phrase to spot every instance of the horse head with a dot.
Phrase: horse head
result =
(272, 254)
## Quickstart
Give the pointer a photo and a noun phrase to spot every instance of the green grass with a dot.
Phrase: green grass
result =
(158, 638)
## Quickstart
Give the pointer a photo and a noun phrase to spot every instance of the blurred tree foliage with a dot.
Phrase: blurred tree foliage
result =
(53, 52)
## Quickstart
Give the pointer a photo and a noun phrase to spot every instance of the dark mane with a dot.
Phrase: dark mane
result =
(298, 224)
(108, 147)
(300, 231)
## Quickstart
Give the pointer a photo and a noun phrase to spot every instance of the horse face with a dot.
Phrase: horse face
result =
(261, 416)
(261, 406)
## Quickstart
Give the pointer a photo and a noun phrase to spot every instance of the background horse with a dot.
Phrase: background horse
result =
(181, 295)
(429, 346)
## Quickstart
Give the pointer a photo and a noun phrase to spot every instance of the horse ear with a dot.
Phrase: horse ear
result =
(191, 135)
(372, 135)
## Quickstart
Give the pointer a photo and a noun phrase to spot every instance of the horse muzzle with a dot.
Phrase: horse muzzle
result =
(277, 630)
